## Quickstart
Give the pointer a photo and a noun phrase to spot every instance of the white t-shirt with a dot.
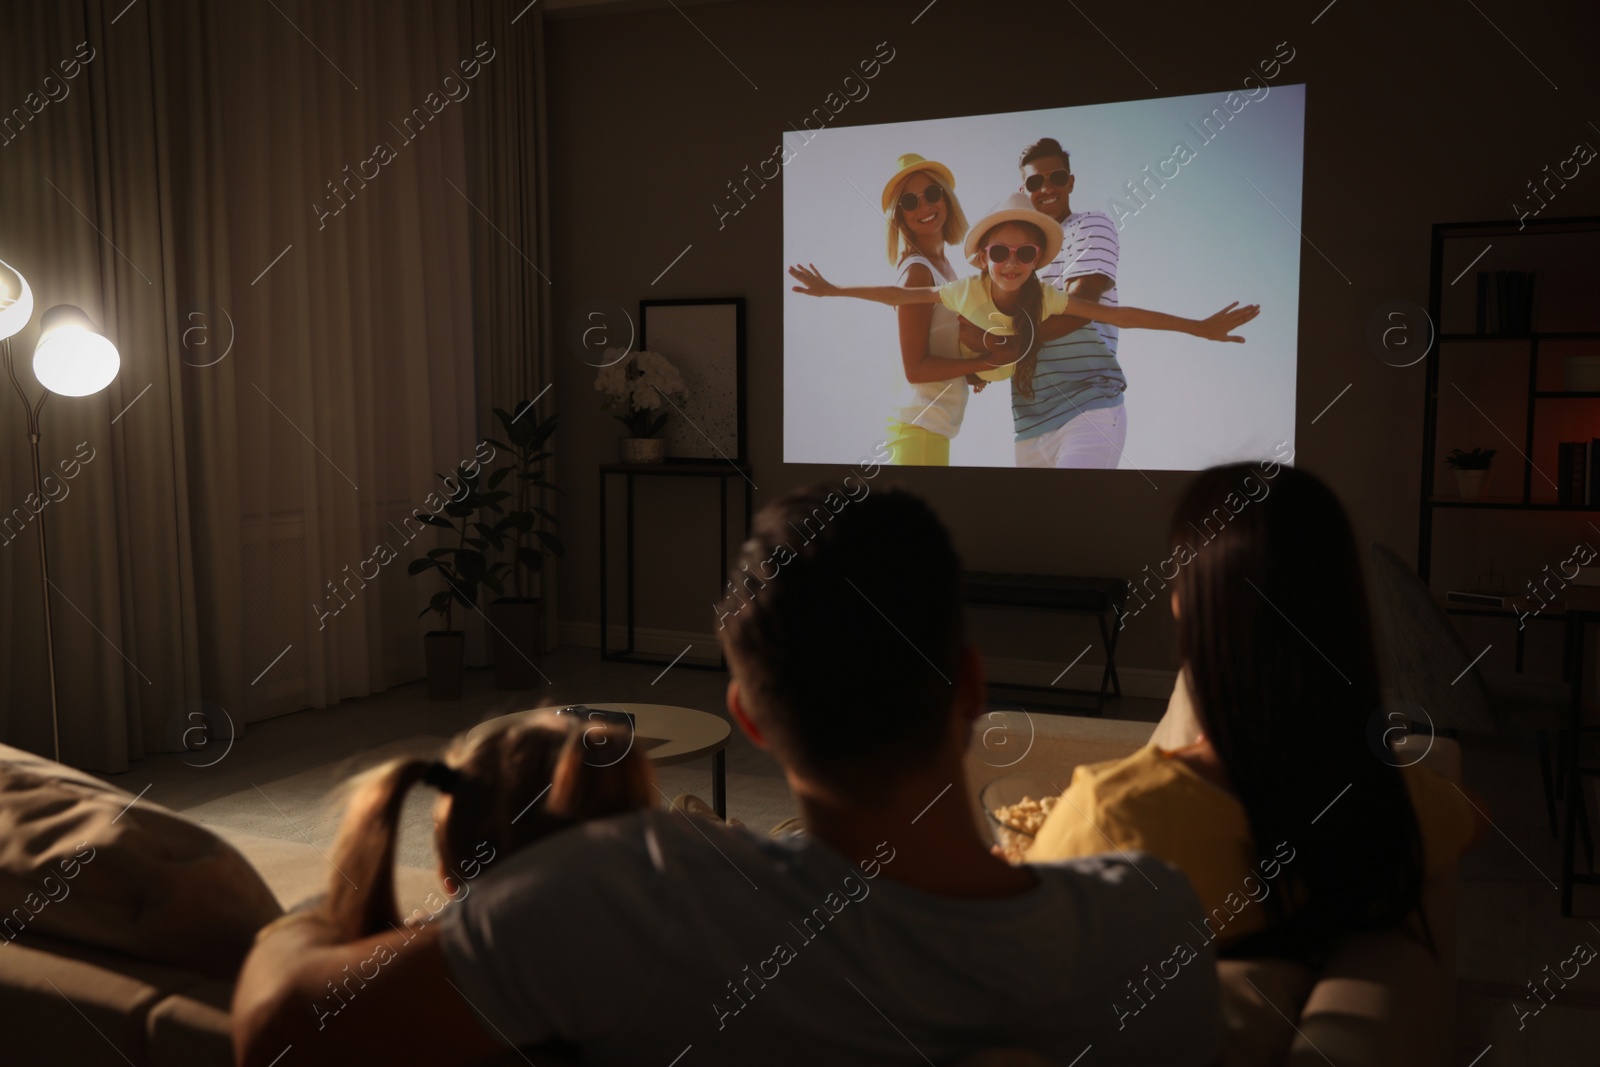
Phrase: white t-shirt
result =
(648, 937)
(1088, 246)
(937, 407)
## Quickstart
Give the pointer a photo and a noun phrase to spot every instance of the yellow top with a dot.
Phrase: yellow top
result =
(1157, 804)
(970, 298)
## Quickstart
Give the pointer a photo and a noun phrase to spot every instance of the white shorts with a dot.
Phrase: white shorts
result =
(1089, 440)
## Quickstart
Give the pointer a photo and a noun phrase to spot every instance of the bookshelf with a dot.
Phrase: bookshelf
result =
(1519, 404)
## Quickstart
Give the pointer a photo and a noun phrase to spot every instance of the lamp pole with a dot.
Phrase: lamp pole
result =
(32, 411)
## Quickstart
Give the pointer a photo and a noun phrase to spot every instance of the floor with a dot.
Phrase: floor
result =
(281, 779)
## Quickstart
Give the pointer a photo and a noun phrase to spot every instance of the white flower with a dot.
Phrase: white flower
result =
(659, 373)
(645, 397)
(613, 380)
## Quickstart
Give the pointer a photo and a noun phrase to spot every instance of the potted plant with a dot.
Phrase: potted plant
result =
(463, 566)
(515, 620)
(1472, 471)
(635, 384)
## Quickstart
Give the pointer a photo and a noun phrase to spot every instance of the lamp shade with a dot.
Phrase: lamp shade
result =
(73, 358)
(16, 301)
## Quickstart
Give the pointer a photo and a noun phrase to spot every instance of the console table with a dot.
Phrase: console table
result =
(1100, 597)
(629, 472)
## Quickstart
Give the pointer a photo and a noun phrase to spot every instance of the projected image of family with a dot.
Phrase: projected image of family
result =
(1105, 287)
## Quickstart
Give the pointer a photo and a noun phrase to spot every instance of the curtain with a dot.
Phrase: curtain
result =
(268, 208)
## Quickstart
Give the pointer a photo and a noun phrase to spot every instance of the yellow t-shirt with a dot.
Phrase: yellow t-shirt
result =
(970, 298)
(1157, 804)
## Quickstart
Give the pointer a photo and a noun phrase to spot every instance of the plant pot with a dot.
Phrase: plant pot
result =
(516, 625)
(642, 449)
(443, 651)
(1472, 483)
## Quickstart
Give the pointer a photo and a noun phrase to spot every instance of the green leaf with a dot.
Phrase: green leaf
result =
(417, 566)
(530, 558)
(499, 476)
(430, 519)
(551, 542)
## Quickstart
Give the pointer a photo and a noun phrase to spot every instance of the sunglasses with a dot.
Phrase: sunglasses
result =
(932, 194)
(1035, 182)
(999, 253)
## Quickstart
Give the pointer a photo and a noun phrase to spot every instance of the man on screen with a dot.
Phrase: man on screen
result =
(1076, 417)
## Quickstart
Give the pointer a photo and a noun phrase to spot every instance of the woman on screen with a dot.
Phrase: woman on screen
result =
(921, 216)
(1009, 245)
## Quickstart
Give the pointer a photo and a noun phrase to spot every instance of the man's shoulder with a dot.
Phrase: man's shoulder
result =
(1115, 880)
(1089, 220)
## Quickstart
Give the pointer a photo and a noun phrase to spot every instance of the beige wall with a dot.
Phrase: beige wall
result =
(1416, 113)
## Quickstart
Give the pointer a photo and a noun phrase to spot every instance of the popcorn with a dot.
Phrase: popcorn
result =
(1016, 824)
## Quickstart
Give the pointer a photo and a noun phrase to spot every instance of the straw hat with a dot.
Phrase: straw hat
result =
(910, 163)
(1017, 208)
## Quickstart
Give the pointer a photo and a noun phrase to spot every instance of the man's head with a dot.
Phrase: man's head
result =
(844, 634)
(1047, 177)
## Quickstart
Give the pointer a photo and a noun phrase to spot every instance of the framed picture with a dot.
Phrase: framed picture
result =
(704, 339)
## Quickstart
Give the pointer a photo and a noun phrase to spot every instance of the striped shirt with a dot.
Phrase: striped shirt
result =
(1077, 372)
(1088, 246)
(1074, 374)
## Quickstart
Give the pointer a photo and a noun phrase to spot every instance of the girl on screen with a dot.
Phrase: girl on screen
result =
(1009, 245)
(921, 216)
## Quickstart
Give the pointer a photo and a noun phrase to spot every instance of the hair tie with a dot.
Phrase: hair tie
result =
(442, 776)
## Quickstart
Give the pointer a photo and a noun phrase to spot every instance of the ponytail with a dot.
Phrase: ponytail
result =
(1030, 306)
(361, 897)
(497, 782)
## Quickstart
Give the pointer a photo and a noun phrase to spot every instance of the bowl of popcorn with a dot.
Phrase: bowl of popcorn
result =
(1017, 807)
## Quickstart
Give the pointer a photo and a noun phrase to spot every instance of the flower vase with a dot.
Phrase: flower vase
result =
(643, 449)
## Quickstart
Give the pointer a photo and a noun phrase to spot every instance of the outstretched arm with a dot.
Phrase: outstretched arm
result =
(920, 365)
(812, 283)
(1218, 327)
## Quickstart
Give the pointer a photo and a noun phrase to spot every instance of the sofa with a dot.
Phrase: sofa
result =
(1381, 1001)
(64, 1003)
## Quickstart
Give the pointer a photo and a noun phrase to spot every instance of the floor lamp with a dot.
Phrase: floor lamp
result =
(71, 358)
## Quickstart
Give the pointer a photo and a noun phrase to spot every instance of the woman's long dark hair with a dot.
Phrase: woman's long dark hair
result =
(1030, 305)
(1274, 628)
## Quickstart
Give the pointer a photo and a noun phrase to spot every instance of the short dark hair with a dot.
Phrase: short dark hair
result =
(1044, 148)
(843, 615)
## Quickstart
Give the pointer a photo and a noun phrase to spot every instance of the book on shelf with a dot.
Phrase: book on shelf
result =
(1591, 484)
(1572, 476)
(1486, 600)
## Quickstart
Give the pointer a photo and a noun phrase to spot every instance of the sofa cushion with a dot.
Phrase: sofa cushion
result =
(1259, 1000)
(82, 861)
(64, 1003)
(193, 1028)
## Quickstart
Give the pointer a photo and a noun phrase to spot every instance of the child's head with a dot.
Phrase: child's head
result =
(504, 786)
(1010, 253)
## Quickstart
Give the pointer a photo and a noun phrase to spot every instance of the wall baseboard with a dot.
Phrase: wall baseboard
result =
(1145, 682)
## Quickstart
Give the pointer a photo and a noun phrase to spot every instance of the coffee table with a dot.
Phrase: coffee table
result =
(669, 735)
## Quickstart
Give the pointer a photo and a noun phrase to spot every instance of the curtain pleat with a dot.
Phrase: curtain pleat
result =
(268, 209)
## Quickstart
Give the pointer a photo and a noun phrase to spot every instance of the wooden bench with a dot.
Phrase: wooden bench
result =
(1103, 598)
